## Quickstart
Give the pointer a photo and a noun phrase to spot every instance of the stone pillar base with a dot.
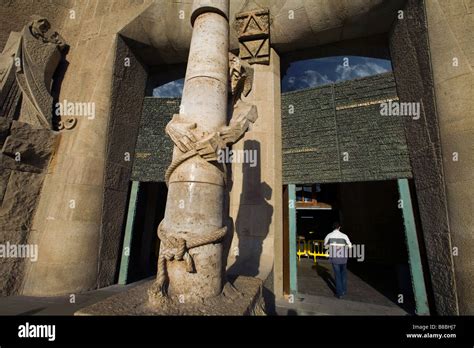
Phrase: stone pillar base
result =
(240, 297)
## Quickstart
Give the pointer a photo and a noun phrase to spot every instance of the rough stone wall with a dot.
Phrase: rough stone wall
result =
(318, 129)
(450, 31)
(412, 69)
(377, 146)
(128, 91)
(154, 148)
(20, 185)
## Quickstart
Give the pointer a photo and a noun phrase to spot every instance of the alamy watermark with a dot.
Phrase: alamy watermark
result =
(339, 251)
(76, 109)
(26, 251)
(238, 156)
(396, 108)
(28, 330)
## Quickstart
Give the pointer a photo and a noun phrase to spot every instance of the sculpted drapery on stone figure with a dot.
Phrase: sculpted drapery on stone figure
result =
(192, 142)
(27, 66)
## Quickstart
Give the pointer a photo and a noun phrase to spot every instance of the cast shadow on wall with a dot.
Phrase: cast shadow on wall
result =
(253, 218)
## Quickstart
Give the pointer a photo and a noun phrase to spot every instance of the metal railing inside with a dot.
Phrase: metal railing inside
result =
(311, 248)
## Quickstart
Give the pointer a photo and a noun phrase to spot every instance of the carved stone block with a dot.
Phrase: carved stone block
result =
(4, 129)
(27, 65)
(9, 91)
(253, 30)
(27, 149)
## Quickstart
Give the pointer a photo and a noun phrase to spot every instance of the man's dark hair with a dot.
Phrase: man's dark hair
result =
(336, 225)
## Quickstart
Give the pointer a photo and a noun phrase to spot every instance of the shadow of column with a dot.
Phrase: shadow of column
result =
(254, 216)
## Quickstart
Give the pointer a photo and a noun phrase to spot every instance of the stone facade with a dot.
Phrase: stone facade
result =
(20, 187)
(114, 44)
(154, 149)
(410, 52)
(450, 27)
(336, 133)
(27, 65)
(78, 239)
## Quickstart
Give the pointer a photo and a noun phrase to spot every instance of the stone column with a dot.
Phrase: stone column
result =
(450, 29)
(194, 206)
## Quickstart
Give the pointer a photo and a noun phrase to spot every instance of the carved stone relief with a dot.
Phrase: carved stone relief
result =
(253, 30)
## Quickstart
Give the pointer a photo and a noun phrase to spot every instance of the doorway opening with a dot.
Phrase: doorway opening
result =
(150, 206)
(371, 216)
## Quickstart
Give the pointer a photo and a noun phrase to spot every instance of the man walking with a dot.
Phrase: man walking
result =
(338, 242)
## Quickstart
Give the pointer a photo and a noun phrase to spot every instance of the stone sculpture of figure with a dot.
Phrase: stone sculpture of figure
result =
(241, 77)
(39, 28)
(244, 114)
(9, 91)
(30, 59)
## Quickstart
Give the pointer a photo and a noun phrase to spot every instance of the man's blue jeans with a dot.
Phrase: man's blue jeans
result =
(340, 275)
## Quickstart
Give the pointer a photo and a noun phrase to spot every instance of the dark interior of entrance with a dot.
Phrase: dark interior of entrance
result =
(370, 216)
(150, 210)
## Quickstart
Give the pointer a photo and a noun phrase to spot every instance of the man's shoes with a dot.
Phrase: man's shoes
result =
(340, 297)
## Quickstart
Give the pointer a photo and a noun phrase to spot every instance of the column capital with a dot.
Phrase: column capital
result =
(217, 6)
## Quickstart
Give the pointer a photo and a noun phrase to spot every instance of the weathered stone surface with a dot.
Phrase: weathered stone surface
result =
(153, 148)
(4, 129)
(43, 48)
(450, 27)
(128, 91)
(15, 14)
(328, 121)
(12, 146)
(253, 30)
(190, 257)
(445, 304)
(295, 24)
(10, 271)
(33, 145)
(20, 186)
(240, 297)
(411, 58)
(445, 280)
(19, 202)
(106, 83)
(17, 207)
(9, 92)
(376, 133)
(26, 149)
(4, 177)
(26, 146)
(256, 198)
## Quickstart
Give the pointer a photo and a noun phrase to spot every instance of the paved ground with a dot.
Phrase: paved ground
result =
(316, 295)
(27, 305)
